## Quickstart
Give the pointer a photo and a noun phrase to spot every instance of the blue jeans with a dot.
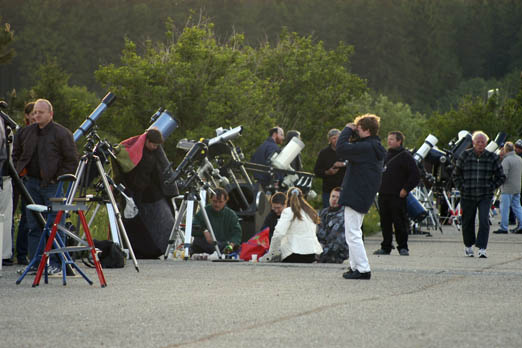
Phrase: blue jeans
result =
(469, 212)
(41, 196)
(508, 201)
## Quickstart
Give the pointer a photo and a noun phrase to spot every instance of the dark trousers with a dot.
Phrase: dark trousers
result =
(200, 245)
(40, 195)
(299, 258)
(469, 212)
(392, 210)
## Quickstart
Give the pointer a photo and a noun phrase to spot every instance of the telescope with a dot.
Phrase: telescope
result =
(163, 121)
(429, 143)
(283, 159)
(224, 135)
(91, 119)
(8, 120)
(197, 152)
(464, 141)
(499, 141)
(436, 155)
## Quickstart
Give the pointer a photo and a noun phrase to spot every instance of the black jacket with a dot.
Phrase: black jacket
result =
(400, 172)
(262, 156)
(57, 154)
(325, 160)
(363, 172)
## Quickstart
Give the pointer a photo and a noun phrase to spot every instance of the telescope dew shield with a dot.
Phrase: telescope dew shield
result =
(429, 143)
(91, 119)
(288, 154)
(498, 142)
(164, 122)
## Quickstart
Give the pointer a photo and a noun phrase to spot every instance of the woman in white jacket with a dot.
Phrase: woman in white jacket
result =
(295, 238)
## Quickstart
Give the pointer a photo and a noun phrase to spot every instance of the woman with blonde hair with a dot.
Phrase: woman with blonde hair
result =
(295, 238)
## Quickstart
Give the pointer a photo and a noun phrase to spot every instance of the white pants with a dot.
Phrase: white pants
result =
(352, 228)
(6, 214)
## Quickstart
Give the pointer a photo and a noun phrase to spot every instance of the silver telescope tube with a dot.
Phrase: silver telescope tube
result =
(91, 119)
(226, 136)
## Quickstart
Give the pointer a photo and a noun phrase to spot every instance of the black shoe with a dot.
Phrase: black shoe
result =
(7, 262)
(381, 252)
(500, 231)
(348, 271)
(404, 252)
(357, 275)
(22, 260)
(516, 230)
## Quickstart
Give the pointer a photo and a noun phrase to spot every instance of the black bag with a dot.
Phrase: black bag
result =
(111, 256)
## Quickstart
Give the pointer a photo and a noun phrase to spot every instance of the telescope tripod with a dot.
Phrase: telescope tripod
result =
(186, 212)
(115, 220)
(453, 202)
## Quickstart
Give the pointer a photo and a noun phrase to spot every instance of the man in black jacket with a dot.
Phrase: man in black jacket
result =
(329, 167)
(400, 176)
(365, 157)
(265, 151)
(43, 152)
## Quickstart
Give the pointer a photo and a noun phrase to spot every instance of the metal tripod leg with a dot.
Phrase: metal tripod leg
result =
(175, 229)
(187, 212)
(209, 226)
(117, 213)
(80, 172)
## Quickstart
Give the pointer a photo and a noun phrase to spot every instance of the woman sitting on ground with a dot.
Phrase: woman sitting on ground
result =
(295, 238)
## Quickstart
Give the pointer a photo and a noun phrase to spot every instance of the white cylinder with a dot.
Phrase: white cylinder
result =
(429, 142)
(492, 146)
(463, 134)
(288, 154)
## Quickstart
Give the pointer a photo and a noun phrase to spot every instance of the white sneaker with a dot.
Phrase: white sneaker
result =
(482, 253)
(469, 251)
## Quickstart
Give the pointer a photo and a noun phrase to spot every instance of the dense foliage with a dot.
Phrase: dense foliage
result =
(418, 52)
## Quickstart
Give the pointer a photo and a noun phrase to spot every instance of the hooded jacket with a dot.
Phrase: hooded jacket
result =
(363, 172)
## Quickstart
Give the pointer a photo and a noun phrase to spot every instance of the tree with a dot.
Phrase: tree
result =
(6, 38)
(204, 84)
(313, 87)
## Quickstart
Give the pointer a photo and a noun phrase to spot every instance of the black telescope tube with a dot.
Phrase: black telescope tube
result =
(89, 122)
(9, 121)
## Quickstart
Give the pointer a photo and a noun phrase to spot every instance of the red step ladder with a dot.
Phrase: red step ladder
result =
(63, 251)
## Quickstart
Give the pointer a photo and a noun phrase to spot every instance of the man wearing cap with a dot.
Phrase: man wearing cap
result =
(329, 166)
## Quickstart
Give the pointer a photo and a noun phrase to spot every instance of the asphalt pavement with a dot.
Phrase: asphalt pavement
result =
(436, 297)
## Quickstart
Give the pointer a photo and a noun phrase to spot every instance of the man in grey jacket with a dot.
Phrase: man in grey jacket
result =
(510, 197)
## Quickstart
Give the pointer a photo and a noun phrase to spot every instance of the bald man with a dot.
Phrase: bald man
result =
(42, 153)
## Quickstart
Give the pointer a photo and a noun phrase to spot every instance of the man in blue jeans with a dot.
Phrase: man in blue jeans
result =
(478, 173)
(44, 152)
(510, 197)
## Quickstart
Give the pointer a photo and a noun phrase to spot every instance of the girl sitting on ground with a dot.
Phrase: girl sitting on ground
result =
(295, 238)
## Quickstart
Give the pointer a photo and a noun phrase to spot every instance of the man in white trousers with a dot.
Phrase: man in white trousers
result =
(360, 145)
